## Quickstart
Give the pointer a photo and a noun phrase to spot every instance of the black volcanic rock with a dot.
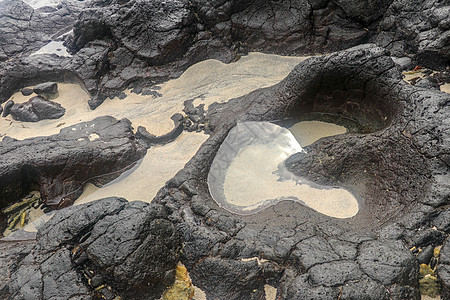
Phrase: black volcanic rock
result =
(24, 30)
(444, 270)
(120, 43)
(391, 169)
(37, 109)
(60, 164)
(47, 90)
(26, 92)
(394, 161)
(7, 108)
(132, 246)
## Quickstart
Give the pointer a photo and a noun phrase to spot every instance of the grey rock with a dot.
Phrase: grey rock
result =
(150, 139)
(37, 109)
(425, 256)
(7, 108)
(26, 91)
(140, 263)
(47, 90)
(388, 262)
(402, 63)
(364, 289)
(444, 270)
(95, 151)
(334, 273)
(428, 83)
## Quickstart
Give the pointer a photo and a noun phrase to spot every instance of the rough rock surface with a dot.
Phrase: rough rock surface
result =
(60, 164)
(395, 160)
(37, 109)
(24, 30)
(309, 255)
(306, 255)
(47, 90)
(118, 43)
(130, 248)
(444, 270)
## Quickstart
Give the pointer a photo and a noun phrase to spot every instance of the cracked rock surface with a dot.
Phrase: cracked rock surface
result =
(306, 254)
(395, 159)
(112, 240)
(303, 253)
(95, 151)
(118, 43)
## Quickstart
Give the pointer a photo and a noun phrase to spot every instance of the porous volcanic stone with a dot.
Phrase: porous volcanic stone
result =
(133, 246)
(60, 164)
(47, 90)
(37, 109)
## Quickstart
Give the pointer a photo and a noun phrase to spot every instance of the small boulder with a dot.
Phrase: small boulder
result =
(47, 90)
(26, 91)
(7, 108)
(37, 109)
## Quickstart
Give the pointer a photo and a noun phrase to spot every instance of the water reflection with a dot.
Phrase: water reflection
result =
(248, 174)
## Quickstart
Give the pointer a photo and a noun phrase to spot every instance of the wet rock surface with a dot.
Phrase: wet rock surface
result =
(116, 43)
(305, 254)
(60, 164)
(309, 255)
(395, 160)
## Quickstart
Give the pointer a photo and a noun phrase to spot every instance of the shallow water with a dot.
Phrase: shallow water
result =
(206, 82)
(248, 173)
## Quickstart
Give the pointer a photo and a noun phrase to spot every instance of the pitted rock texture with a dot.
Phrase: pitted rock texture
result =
(304, 254)
(444, 270)
(118, 43)
(417, 27)
(10, 253)
(37, 109)
(24, 30)
(131, 248)
(60, 164)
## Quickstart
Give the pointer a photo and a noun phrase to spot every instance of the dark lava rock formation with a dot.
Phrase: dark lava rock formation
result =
(311, 256)
(395, 161)
(37, 109)
(24, 30)
(117, 43)
(59, 165)
(109, 243)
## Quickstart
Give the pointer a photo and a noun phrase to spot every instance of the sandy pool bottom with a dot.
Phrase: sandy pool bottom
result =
(248, 172)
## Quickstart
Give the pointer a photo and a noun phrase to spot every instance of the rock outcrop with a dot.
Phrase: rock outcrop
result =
(118, 43)
(59, 165)
(305, 254)
(98, 250)
(395, 158)
(37, 109)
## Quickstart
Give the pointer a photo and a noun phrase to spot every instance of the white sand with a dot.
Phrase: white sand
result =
(159, 165)
(308, 132)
